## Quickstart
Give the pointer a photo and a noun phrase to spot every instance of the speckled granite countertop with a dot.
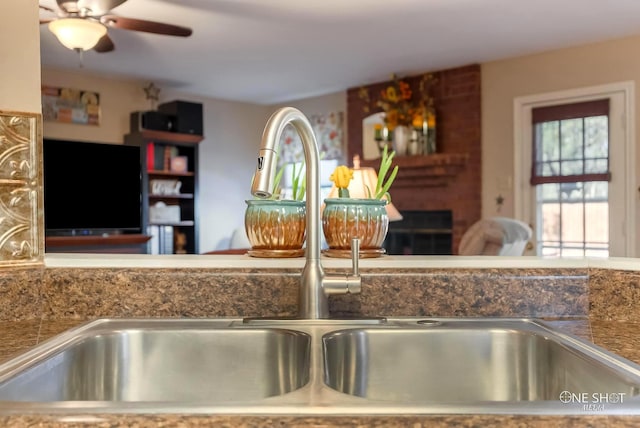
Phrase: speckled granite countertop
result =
(597, 301)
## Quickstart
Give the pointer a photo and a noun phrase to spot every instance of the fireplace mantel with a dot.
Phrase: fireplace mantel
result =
(433, 170)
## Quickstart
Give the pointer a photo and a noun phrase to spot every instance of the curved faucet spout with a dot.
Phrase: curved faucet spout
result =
(311, 291)
(313, 302)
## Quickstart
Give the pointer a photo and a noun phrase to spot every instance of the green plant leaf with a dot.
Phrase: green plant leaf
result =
(381, 172)
(383, 184)
(302, 189)
(298, 183)
(275, 190)
(387, 185)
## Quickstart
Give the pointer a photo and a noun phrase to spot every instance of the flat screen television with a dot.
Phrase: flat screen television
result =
(91, 188)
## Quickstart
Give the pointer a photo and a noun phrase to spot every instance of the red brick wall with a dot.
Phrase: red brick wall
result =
(457, 102)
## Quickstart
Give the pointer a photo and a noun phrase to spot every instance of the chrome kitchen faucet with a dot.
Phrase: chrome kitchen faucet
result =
(315, 286)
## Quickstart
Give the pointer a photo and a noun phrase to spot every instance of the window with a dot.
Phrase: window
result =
(570, 172)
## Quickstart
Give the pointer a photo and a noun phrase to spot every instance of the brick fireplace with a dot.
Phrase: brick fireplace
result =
(421, 232)
(449, 180)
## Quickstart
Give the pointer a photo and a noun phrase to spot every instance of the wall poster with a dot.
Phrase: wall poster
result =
(329, 131)
(68, 105)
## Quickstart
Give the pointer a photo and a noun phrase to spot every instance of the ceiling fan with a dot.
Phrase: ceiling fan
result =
(82, 24)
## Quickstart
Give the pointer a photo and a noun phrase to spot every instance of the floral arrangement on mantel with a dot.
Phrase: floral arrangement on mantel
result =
(342, 175)
(396, 101)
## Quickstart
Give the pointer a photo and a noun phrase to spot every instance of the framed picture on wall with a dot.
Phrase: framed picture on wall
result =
(69, 105)
(329, 131)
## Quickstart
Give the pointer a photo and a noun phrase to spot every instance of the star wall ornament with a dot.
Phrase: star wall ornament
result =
(499, 203)
(152, 93)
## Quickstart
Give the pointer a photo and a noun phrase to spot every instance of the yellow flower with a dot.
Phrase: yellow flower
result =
(341, 176)
(392, 95)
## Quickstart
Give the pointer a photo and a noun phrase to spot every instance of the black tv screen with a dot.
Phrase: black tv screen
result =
(91, 188)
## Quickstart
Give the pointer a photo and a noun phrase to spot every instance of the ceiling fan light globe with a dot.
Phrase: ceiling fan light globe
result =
(77, 33)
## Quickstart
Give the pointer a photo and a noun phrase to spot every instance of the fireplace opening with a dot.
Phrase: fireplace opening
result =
(421, 233)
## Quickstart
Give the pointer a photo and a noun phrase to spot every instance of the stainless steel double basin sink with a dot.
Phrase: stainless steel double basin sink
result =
(368, 366)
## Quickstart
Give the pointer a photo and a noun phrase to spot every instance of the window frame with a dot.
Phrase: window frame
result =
(625, 232)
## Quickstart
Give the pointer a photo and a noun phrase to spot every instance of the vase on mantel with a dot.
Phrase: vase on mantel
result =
(346, 218)
(275, 228)
(401, 138)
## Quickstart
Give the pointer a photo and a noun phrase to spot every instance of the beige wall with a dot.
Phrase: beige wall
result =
(118, 98)
(503, 81)
(20, 82)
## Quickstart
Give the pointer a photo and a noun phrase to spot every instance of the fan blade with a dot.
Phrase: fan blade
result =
(146, 26)
(48, 9)
(46, 21)
(105, 44)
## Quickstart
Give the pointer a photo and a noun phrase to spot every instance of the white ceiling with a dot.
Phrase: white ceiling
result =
(272, 51)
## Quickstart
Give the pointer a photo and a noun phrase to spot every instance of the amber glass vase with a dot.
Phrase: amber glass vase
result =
(346, 218)
(275, 228)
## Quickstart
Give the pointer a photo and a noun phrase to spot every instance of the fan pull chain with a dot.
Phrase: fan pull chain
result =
(80, 57)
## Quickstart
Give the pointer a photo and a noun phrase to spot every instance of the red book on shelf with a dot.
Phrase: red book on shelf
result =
(150, 157)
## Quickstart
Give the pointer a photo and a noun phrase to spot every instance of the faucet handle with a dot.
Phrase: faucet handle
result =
(350, 283)
(354, 283)
(355, 256)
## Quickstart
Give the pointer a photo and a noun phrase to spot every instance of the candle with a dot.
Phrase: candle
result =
(377, 128)
(385, 133)
(417, 121)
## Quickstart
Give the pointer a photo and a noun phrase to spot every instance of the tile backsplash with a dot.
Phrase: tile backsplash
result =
(21, 190)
